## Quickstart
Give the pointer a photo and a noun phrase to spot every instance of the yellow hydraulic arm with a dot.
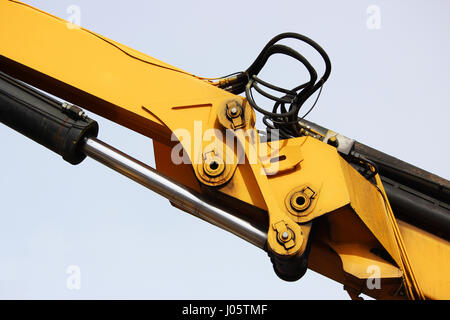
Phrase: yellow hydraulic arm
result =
(313, 206)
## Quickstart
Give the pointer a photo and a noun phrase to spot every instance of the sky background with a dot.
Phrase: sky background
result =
(389, 88)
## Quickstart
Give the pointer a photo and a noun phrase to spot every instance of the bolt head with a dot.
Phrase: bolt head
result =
(333, 141)
(233, 111)
(214, 167)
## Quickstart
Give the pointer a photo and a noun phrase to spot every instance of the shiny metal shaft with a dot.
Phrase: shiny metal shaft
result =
(176, 193)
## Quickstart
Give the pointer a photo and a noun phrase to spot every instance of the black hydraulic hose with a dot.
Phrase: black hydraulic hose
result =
(259, 62)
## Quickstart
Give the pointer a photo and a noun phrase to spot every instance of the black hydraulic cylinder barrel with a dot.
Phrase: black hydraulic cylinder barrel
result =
(57, 126)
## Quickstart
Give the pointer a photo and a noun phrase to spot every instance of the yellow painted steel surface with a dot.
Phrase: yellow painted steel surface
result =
(153, 98)
(430, 257)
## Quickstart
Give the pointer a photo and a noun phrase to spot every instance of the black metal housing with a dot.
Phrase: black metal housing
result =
(44, 119)
(416, 196)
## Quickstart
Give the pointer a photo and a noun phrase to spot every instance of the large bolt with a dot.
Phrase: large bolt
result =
(214, 167)
(233, 110)
(300, 201)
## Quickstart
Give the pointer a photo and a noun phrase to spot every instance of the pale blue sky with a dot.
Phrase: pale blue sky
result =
(388, 89)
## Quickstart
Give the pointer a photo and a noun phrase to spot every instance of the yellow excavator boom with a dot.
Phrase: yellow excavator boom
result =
(309, 205)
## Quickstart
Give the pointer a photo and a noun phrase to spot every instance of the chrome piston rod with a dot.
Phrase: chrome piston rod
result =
(176, 193)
